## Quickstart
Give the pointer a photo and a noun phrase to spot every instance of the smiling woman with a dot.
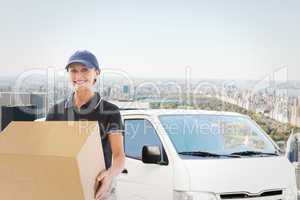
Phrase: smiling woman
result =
(86, 104)
(82, 78)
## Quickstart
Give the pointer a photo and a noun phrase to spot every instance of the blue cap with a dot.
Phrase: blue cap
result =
(84, 57)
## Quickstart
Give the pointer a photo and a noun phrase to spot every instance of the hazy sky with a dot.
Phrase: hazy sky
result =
(239, 39)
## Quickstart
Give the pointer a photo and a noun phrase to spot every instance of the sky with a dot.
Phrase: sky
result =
(215, 39)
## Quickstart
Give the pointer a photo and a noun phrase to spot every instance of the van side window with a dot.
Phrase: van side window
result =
(138, 133)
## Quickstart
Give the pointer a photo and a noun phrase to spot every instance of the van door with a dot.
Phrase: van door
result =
(140, 181)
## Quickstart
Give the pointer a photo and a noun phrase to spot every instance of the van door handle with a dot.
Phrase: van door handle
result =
(125, 171)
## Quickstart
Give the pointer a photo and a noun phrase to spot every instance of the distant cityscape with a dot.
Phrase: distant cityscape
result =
(277, 100)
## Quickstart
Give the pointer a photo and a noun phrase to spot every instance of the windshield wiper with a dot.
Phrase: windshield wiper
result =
(206, 154)
(250, 153)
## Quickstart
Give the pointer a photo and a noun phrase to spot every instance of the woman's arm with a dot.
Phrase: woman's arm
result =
(118, 155)
(118, 160)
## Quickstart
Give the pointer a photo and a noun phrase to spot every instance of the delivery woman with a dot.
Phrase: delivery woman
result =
(86, 104)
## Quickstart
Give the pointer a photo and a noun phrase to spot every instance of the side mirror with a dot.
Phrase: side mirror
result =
(151, 155)
(293, 151)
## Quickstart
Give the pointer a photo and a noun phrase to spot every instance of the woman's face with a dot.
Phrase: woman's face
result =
(82, 77)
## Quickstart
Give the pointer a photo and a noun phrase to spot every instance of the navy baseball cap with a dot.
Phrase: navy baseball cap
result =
(84, 57)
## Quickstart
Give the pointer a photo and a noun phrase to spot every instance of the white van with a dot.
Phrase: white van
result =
(201, 155)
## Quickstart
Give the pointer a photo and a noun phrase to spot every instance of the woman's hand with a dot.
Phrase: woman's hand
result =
(102, 184)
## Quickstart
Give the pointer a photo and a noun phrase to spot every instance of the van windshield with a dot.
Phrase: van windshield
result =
(216, 134)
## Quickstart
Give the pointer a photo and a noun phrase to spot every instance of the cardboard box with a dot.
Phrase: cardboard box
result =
(52, 160)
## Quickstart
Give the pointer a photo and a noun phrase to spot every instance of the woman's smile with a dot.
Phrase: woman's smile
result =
(80, 82)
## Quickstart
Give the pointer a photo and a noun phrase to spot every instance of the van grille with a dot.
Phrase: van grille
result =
(272, 194)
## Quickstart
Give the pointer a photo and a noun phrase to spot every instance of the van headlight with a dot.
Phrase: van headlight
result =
(291, 193)
(179, 195)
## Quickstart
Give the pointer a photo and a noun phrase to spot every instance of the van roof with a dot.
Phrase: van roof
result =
(159, 112)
